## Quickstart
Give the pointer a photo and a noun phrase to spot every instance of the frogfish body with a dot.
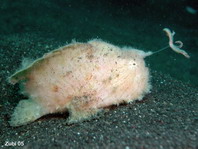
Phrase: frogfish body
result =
(82, 78)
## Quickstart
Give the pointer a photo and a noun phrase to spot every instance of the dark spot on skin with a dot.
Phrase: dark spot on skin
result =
(89, 77)
(67, 73)
(30, 77)
(79, 57)
(69, 98)
(55, 88)
(134, 64)
(105, 54)
(117, 75)
(119, 56)
(115, 62)
(85, 97)
(90, 56)
(105, 81)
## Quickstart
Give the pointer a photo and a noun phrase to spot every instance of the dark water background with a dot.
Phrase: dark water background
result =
(166, 118)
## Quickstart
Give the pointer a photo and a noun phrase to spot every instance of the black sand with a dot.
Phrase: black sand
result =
(165, 118)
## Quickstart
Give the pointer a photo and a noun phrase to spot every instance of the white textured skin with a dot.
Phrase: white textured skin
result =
(82, 78)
